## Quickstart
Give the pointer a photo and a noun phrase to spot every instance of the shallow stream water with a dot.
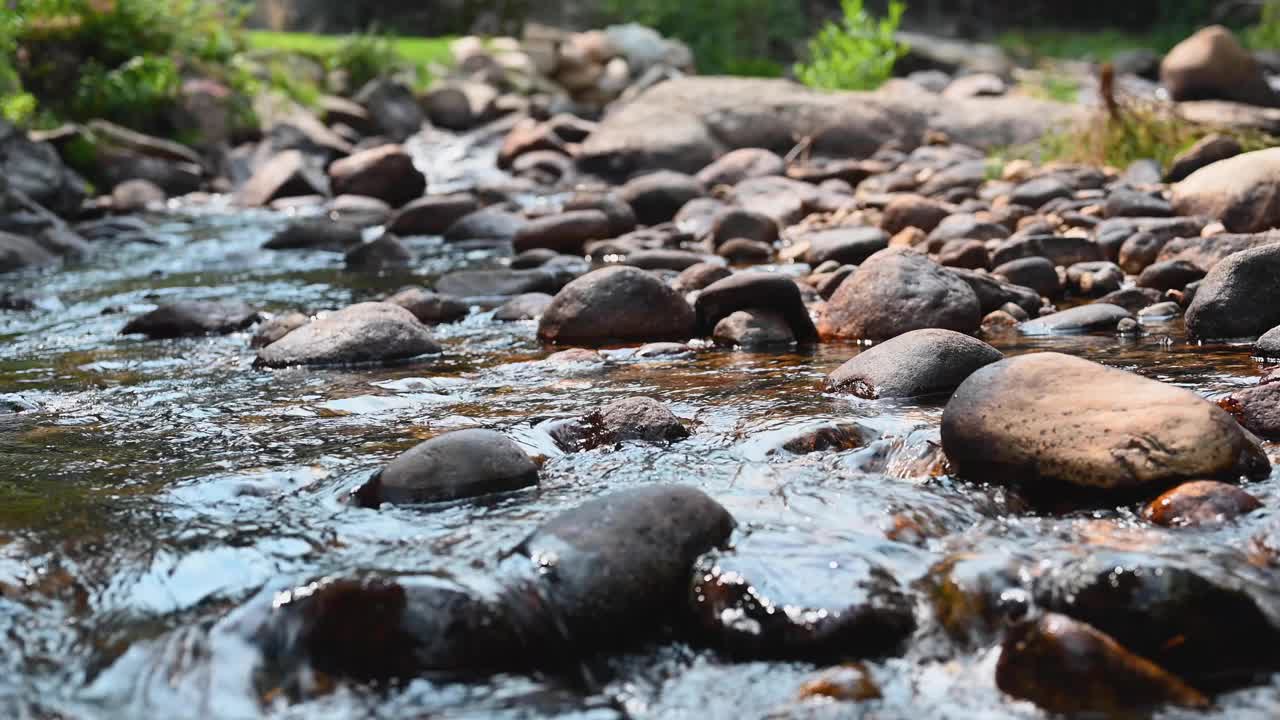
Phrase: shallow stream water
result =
(151, 488)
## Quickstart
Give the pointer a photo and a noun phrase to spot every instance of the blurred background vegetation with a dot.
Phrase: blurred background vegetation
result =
(127, 60)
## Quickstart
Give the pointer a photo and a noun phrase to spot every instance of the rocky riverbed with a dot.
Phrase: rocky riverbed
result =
(744, 401)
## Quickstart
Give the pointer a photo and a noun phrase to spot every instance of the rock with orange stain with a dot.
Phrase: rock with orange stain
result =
(1200, 504)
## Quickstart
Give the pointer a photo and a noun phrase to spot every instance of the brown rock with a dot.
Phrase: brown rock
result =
(386, 172)
(1204, 503)
(896, 291)
(1243, 192)
(1212, 65)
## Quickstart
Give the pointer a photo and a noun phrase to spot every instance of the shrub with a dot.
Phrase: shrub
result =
(733, 37)
(366, 57)
(1266, 34)
(858, 53)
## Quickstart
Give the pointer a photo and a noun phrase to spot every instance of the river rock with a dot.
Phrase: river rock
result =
(845, 245)
(1208, 618)
(1083, 319)
(17, 253)
(386, 172)
(1025, 419)
(528, 306)
(733, 223)
(664, 259)
(192, 318)
(1038, 191)
(491, 223)
(452, 466)
(1036, 272)
(1068, 667)
(393, 108)
(915, 211)
(918, 363)
(1268, 346)
(896, 291)
(776, 595)
(1212, 65)
(1239, 298)
(622, 219)
(315, 235)
(1243, 192)
(431, 215)
(737, 165)
(277, 327)
(851, 682)
(697, 277)
(1093, 279)
(658, 196)
(385, 252)
(1257, 408)
(1129, 203)
(753, 329)
(1133, 299)
(566, 232)
(1169, 275)
(429, 307)
(619, 304)
(755, 291)
(629, 419)
(994, 294)
(287, 174)
(741, 251)
(500, 282)
(965, 226)
(1210, 149)
(1206, 252)
(1204, 503)
(1059, 249)
(370, 332)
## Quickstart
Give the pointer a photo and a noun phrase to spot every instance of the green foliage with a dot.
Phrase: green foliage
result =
(726, 36)
(365, 57)
(1266, 34)
(138, 93)
(18, 108)
(1050, 85)
(858, 53)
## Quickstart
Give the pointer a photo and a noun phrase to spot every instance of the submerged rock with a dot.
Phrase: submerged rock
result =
(362, 333)
(1047, 420)
(617, 303)
(1257, 409)
(753, 329)
(761, 291)
(385, 252)
(1204, 503)
(634, 418)
(315, 235)
(191, 319)
(776, 595)
(455, 465)
(918, 363)
(1066, 666)
(1085, 318)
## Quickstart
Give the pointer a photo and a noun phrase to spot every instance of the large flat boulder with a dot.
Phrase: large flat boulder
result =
(686, 123)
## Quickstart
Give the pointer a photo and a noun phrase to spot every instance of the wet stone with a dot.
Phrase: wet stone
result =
(1058, 249)
(1127, 203)
(528, 306)
(700, 276)
(658, 196)
(663, 259)
(733, 223)
(315, 235)
(1132, 299)
(1239, 298)
(1094, 279)
(277, 327)
(536, 257)
(1094, 317)
(190, 318)
(641, 419)
(1036, 273)
(1065, 666)
(755, 291)
(1257, 409)
(1160, 311)
(847, 246)
(745, 252)
(431, 215)
(969, 254)
(1204, 503)
(918, 363)
(564, 233)
(616, 304)
(362, 333)
(896, 291)
(492, 223)
(915, 211)
(753, 329)
(844, 683)
(499, 283)
(1169, 275)
(453, 466)
(1268, 344)
(1025, 420)
(428, 307)
(385, 252)
(781, 595)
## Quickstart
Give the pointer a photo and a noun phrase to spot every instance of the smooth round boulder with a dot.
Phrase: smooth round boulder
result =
(1037, 273)
(915, 364)
(742, 164)
(753, 329)
(755, 291)
(1239, 298)
(371, 332)
(1082, 319)
(385, 252)
(1268, 346)
(741, 251)
(1257, 408)
(1169, 275)
(616, 304)
(1243, 192)
(491, 224)
(565, 232)
(430, 308)
(896, 291)
(386, 172)
(277, 327)
(1049, 422)
(845, 245)
(455, 465)
(1212, 65)
(915, 211)
(1208, 150)
(658, 196)
(192, 318)
(733, 223)
(697, 277)
(432, 215)
(528, 306)
(641, 419)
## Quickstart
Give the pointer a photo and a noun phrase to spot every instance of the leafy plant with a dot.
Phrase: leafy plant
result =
(856, 54)
(138, 93)
(366, 57)
(1266, 34)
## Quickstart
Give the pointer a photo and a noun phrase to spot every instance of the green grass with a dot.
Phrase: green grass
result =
(1099, 46)
(419, 51)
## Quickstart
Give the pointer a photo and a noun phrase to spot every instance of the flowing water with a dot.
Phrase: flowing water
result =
(151, 490)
